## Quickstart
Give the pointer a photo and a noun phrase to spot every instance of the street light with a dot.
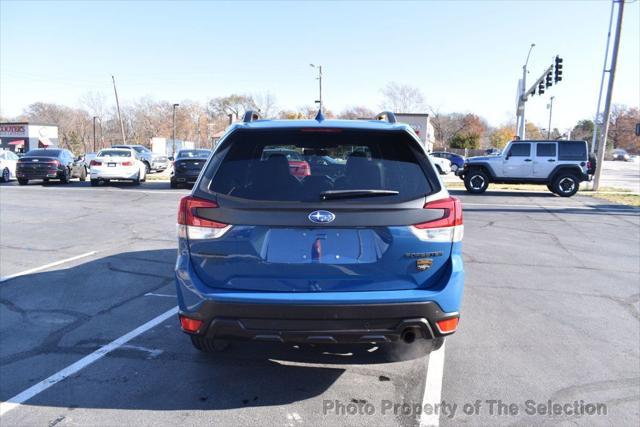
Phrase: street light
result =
(521, 131)
(173, 145)
(319, 67)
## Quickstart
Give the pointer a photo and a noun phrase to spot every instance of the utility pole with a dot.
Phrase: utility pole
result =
(550, 113)
(319, 78)
(173, 143)
(523, 96)
(607, 106)
(94, 133)
(594, 140)
(124, 140)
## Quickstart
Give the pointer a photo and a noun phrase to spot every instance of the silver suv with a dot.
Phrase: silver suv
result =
(561, 165)
(153, 161)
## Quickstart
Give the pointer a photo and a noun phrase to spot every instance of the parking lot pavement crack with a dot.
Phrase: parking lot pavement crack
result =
(111, 267)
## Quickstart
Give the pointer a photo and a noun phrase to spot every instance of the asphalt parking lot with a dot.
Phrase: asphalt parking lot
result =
(551, 313)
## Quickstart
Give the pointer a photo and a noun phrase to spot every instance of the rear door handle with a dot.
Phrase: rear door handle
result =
(527, 160)
(551, 160)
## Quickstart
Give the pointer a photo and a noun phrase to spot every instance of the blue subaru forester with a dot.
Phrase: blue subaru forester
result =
(364, 246)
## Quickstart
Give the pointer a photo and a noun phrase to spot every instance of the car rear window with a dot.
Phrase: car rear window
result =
(546, 149)
(43, 153)
(300, 164)
(114, 153)
(572, 150)
(189, 154)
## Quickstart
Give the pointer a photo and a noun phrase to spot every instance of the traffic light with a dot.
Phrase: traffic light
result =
(558, 69)
(548, 82)
(541, 88)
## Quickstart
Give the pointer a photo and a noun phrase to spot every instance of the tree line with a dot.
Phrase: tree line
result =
(202, 122)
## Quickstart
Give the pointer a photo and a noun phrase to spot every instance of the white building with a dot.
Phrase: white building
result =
(166, 147)
(21, 137)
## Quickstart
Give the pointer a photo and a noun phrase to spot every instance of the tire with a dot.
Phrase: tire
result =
(174, 184)
(437, 343)
(476, 181)
(23, 181)
(550, 188)
(83, 175)
(6, 175)
(95, 182)
(65, 178)
(209, 345)
(566, 184)
(137, 180)
(439, 169)
(147, 167)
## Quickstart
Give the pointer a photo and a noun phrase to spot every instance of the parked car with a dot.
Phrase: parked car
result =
(443, 166)
(120, 164)
(371, 254)
(153, 162)
(50, 163)
(561, 165)
(298, 165)
(621, 154)
(87, 159)
(187, 166)
(457, 161)
(8, 161)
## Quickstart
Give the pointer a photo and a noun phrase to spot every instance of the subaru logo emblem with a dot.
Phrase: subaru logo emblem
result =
(321, 217)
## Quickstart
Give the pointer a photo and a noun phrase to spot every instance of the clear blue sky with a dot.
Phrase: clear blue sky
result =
(465, 56)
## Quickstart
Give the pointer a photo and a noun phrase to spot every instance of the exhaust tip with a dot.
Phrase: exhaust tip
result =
(408, 336)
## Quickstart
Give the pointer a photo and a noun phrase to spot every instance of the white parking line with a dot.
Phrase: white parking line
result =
(433, 388)
(36, 389)
(590, 208)
(44, 267)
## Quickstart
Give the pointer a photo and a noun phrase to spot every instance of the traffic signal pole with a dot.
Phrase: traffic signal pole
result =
(607, 107)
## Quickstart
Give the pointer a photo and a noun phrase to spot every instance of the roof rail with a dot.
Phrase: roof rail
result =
(388, 115)
(250, 116)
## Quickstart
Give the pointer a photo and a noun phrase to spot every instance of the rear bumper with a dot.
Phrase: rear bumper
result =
(53, 173)
(184, 177)
(114, 174)
(327, 324)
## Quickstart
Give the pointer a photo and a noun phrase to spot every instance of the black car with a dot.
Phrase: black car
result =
(187, 166)
(50, 163)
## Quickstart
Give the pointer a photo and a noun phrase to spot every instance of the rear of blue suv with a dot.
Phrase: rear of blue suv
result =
(367, 251)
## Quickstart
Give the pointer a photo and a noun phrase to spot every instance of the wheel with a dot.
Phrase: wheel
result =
(476, 181)
(437, 343)
(83, 175)
(566, 184)
(136, 181)
(209, 345)
(174, 184)
(439, 169)
(144, 177)
(95, 182)
(147, 167)
(23, 181)
(65, 177)
(6, 175)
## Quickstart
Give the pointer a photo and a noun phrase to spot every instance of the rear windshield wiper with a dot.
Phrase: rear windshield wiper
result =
(352, 194)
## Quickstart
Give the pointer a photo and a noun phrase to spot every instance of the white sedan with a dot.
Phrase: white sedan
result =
(8, 160)
(117, 164)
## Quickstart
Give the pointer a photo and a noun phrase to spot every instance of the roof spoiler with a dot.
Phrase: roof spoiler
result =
(388, 116)
(250, 116)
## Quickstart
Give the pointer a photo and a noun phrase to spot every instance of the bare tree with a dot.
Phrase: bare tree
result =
(402, 98)
(357, 112)
(235, 105)
(266, 103)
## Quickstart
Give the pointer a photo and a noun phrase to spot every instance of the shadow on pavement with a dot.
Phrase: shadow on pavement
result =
(54, 318)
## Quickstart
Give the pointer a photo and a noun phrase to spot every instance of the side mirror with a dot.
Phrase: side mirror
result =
(506, 157)
(170, 158)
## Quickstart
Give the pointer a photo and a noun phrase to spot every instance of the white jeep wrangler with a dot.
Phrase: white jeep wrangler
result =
(561, 165)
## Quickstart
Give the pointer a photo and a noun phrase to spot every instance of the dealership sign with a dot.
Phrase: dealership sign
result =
(13, 130)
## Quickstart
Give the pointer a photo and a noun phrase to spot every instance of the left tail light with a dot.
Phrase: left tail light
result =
(448, 228)
(193, 226)
(95, 163)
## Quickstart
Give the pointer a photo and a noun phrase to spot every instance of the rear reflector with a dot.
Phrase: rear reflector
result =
(190, 325)
(127, 163)
(193, 226)
(448, 325)
(447, 228)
